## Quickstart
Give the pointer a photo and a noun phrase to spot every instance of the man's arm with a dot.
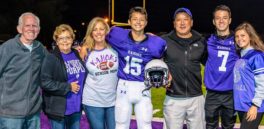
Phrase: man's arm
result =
(4, 57)
(205, 52)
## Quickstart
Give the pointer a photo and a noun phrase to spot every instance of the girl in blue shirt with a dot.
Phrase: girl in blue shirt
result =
(249, 77)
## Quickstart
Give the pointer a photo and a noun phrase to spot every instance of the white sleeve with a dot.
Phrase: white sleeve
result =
(259, 90)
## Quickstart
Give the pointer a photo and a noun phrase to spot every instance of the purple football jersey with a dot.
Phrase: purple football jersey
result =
(220, 63)
(134, 56)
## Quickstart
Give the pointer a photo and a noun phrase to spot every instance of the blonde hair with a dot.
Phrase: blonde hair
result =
(62, 28)
(88, 41)
(255, 40)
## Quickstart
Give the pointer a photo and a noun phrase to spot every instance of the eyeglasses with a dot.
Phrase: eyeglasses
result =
(64, 38)
(64, 44)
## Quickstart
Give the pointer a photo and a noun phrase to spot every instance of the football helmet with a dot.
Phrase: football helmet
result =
(156, 74)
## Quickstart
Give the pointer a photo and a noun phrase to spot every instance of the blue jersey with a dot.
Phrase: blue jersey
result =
(134, 56)
(220, 63)
(246, 68)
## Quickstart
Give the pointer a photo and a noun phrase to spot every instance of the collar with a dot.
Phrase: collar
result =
(231, 34)
(131, 37)
(244, 51)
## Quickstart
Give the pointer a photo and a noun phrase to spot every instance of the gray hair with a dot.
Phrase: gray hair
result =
(20, 20)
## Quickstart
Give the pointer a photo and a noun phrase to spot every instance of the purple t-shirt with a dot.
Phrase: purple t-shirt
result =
(75, 72)
(134, 56)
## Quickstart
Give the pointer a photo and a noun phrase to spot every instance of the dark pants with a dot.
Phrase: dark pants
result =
(219, 104)
(28, 122)
(249, 124)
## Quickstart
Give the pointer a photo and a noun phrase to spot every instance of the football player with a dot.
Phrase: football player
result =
(135, 49)
(219, 72)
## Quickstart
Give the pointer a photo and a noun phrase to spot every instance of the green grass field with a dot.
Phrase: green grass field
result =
(158, 96)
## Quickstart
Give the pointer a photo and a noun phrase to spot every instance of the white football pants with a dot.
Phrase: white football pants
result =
(129, 93)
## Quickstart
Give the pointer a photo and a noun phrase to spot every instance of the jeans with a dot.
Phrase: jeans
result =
(69, 122)
(29, 122)
(100, 117)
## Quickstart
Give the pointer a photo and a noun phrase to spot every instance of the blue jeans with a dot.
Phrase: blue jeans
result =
(29, 122)
(100, 117)
(70, 122)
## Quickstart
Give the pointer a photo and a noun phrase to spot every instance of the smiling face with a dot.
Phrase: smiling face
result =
(138, 22)
(64, 42)
(242, 39)
(222, 21)
(183, 24)
(29, 29)
(99, 33)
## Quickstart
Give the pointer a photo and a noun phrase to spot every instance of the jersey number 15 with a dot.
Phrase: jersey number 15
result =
(133, 65)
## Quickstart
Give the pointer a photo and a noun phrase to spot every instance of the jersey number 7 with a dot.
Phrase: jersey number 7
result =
(225, 55)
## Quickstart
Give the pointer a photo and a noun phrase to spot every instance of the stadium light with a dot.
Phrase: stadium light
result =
(106, 19)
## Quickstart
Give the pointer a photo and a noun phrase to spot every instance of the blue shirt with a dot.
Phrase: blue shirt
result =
(247, 86)
(133, 56)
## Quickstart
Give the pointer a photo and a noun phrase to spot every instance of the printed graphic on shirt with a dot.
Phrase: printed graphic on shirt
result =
(104, 64)
(74, 67)
(240, 64)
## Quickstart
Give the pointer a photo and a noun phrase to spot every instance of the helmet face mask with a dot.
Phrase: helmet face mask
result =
(157, 77)
(156, 74)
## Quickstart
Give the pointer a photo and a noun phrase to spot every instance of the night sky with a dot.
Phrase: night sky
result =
(74, 12)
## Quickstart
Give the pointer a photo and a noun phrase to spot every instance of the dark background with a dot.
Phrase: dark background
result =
(76, 12)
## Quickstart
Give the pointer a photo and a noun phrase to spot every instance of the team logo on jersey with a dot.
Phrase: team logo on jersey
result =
(238, 85)
(240, 64)
(231, 42)
(105, 65)
(195, 45)
(144, 49)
